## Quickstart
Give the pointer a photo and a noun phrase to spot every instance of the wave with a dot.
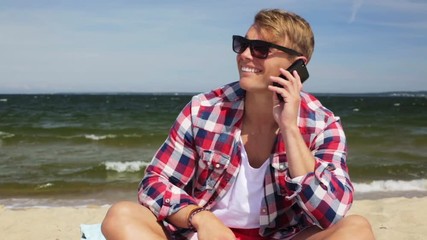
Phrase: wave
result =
(99, 137)
(88, 136)
(120, 167)
(4, 135)
(45, 185)
(408, 94)
(391, 186)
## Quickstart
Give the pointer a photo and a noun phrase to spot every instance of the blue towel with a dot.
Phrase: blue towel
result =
(91, 232)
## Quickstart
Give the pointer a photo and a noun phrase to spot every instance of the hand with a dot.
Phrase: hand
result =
(209, 227)
(286, 113)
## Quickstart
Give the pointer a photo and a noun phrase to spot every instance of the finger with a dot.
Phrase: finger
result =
(279, 82)
(276, 100)
(287, 75)
(298, 84)
(284, 97)
(278, 91)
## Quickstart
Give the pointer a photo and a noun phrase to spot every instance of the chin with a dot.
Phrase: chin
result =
(246, 83)
(251, 84)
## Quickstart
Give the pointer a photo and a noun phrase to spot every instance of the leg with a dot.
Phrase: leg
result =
(128, 220)
(349, 228)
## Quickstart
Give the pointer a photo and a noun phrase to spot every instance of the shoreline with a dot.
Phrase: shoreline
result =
(391, 218)
(106, 198)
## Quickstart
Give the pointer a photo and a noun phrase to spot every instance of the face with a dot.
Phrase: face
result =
(255, 72)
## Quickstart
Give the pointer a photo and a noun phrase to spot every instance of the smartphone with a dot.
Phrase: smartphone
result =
(301, 68)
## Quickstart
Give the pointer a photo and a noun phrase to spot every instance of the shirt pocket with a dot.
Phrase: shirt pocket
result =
(279, 173)
(212, 166)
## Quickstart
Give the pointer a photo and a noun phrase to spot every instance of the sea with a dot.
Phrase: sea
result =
(92, 149)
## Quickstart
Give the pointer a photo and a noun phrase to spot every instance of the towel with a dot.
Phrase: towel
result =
(91, 232)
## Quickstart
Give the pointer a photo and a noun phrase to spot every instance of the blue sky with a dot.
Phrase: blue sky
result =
(185, 46)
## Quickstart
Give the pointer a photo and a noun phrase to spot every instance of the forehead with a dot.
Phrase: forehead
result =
(257, 33)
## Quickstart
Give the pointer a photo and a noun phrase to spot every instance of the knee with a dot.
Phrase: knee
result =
(122, 209)
(358, 221)
(118, 213)
(360, 226)
(125, 220)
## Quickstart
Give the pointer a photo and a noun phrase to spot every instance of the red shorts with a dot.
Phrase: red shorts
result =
(247, 234)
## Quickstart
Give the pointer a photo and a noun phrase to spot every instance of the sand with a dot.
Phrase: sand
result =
(391, 218)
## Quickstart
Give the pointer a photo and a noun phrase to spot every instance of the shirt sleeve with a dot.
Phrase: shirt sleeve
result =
(171, 169)
(326, 194)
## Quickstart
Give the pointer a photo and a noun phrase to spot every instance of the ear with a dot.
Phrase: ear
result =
(303, 58)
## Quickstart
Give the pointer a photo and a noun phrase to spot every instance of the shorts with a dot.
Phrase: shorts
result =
(248, 234)
(242, 234)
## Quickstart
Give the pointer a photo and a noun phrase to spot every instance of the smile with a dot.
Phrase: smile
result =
(251, 70)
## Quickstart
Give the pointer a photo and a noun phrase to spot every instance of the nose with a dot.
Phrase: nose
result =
(247, 53)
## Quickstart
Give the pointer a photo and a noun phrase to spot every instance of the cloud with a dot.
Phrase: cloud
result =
(357, 4)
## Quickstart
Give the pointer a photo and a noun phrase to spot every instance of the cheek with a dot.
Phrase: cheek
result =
(274, 69)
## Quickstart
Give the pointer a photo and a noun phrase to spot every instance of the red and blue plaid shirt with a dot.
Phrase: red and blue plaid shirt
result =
(200, 159)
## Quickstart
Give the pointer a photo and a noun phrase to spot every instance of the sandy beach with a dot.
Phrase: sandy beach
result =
(391, 218)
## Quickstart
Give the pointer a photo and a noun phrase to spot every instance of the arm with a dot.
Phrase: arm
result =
(300, 159)
(171, 169)
(325, 192)
(163, 187)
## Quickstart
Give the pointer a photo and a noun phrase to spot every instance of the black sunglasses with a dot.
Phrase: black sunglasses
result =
(259, 48)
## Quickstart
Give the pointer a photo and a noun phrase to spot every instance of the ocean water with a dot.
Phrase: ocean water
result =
(79, 149)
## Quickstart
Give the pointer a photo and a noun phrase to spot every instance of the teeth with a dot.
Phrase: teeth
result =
(252, 70)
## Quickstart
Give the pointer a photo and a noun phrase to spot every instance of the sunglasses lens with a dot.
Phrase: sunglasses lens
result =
(259, 50)
(239, 44)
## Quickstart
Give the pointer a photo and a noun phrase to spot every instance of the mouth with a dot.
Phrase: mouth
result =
(250, 70)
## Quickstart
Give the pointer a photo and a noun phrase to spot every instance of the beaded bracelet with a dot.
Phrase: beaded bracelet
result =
(191, 215)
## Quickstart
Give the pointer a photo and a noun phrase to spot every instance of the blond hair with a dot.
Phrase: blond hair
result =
(288, 27)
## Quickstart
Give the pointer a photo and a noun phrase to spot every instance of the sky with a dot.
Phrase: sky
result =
(80, 46)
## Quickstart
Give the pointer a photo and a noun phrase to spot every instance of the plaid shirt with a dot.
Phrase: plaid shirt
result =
(200, 159)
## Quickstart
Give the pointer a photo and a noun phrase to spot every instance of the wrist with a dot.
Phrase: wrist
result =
(290, 129)
(193, 215)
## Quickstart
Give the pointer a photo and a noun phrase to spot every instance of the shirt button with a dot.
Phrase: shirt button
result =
(167, 200)
(330, 167)
(264, 210)
(218, 165)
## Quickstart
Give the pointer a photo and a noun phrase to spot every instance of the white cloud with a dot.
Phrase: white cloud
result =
(357, 4)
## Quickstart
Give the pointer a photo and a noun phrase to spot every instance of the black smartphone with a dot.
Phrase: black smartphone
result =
(301, 68)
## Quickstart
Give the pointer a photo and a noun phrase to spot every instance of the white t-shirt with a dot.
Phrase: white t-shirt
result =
(240, 207)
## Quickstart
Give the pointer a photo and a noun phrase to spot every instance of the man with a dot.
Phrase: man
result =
(239, 163)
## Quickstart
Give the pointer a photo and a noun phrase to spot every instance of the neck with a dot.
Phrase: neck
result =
(258, 114)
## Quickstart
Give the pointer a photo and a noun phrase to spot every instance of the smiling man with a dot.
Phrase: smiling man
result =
(240, 163)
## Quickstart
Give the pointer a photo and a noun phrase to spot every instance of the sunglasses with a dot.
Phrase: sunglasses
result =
(259, 48)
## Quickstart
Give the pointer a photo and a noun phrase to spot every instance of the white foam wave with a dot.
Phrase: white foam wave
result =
(44, 185)
(3, 99)
(408, 94)
(4, 135)
(391, 186)
(134, 166)
(101, 137)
